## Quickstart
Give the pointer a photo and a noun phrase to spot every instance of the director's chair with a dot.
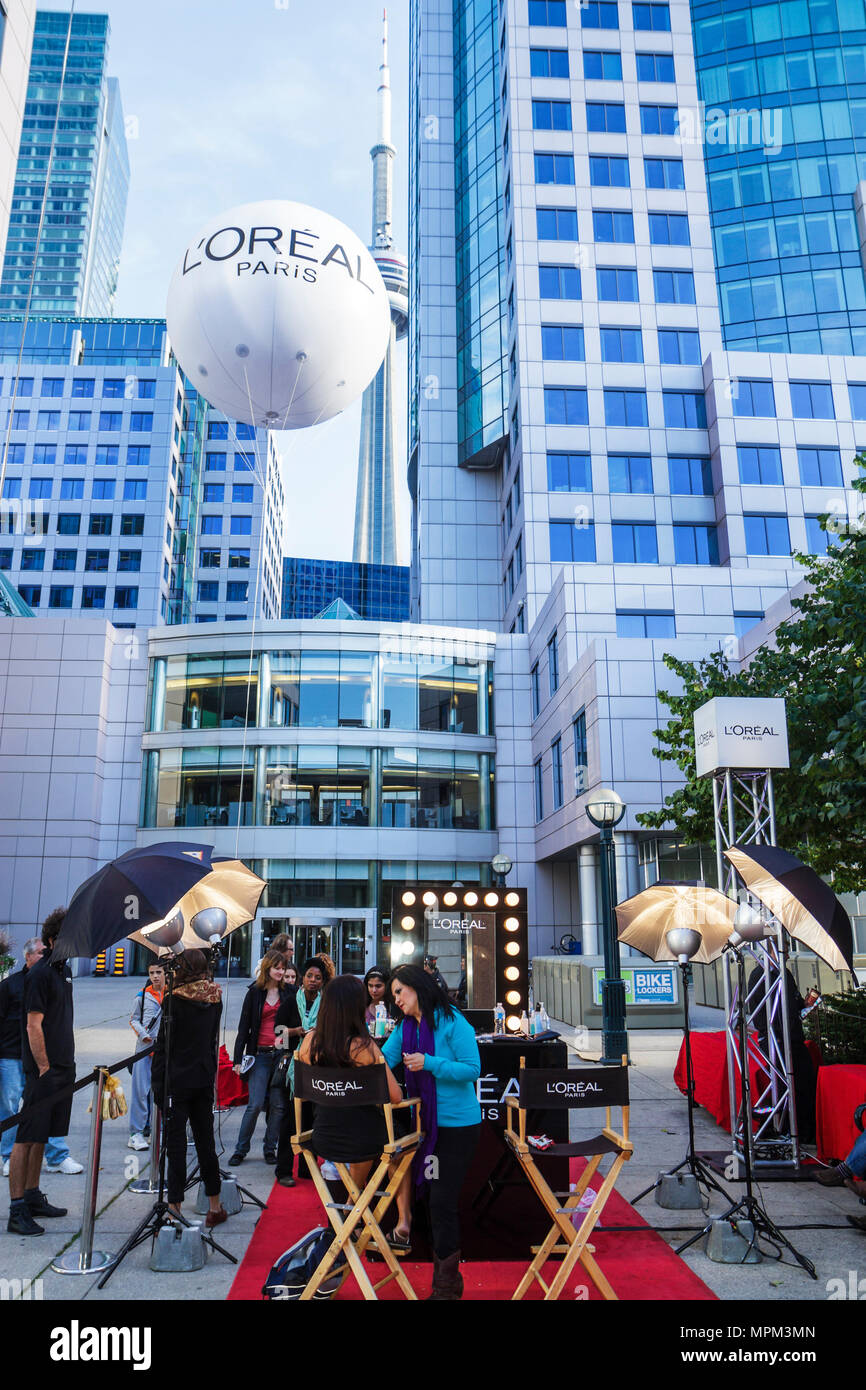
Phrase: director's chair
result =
(347, 1089)
(569, 1088)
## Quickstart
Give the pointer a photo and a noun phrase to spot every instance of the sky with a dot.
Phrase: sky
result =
(231, 101)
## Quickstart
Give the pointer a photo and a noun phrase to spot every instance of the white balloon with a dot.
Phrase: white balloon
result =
(278, 314)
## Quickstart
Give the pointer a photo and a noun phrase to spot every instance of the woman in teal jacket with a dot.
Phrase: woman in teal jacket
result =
(438, 1050)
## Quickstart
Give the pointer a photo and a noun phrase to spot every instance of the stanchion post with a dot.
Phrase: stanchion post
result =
(146, 1187)
(86, 1260)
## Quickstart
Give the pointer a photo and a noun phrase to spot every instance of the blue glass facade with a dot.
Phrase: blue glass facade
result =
(379, 593)
(482, 327)
(80, 244)
(784, 86)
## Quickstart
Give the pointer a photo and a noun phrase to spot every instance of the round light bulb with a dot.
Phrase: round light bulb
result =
(408, 899)
(511, 924)
(450, 899)
(512, 899)
(512, 948)
(407, 923)
(512, 973)
(429, 900)
(512, 997)
(512, 1023)
(470, 899)
(491, 899)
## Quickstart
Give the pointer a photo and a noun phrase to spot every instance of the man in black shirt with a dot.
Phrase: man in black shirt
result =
(48, 1057)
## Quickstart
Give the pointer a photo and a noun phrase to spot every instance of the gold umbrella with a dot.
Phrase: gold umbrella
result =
(645, 920)
(222, 901)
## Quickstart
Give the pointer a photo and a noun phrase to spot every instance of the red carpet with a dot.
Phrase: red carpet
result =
(639, 1264)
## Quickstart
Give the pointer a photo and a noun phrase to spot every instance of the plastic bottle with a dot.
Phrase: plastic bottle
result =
(533, 1023)
(381, 1025)
(543, 1019)
(524, 1024)
(583, 1206)
(498, 1020)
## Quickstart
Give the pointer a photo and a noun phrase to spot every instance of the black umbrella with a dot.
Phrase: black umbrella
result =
(806, 906)
(140, 887)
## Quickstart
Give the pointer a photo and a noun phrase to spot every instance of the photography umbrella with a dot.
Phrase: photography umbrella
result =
(645, 920)
(219, 903)
(140, 887)
(806, 906)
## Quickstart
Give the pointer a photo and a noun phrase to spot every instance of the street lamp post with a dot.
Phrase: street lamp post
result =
(606, 809)
(501, 866)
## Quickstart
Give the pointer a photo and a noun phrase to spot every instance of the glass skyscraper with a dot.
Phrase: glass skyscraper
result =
(784, 87)
(377, 593)
(82, 231)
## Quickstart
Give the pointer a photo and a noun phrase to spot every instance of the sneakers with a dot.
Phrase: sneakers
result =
(270, 1157)
(329, 1171)
(831, 1177)
(287, 1181)
(21, 1222)
(39, 1205)
(137, 1141)
(67, 1166)
(236, 1160)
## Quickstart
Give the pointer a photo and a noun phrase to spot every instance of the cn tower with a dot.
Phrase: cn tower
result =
(375, 502)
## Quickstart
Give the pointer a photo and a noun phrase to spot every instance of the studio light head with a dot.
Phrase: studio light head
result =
(749, 925)
(167, 935)
(683, 942)
(210, 924)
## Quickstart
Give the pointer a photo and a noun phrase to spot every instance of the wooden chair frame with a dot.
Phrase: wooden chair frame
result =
(563, 1238)
(345, 1218)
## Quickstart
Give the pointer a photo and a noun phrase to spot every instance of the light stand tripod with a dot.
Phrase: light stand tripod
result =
(161, 1213)
(748, 1208)
(694, 1164)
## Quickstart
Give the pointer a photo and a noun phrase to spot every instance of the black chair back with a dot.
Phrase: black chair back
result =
(341, 1087)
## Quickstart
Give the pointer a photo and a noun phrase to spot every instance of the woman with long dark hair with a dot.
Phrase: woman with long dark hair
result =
(296, 1016)
(376, 985)
(257, 1038)
(196, 1006)
(442, 1064)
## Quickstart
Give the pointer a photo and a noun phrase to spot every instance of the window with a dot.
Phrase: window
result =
(48, 420)
(211, 526)
(634, 543)
(214, 463)
(103, 489)
(33, 559)
(553, 663)
(82, 388)
(71, 489)
(581, 753)
(625, 408)
(558, 282)
(608, 171)
(242, 492)
(40, 488)
(556, 224)
(669, 229)
(131, 525)
(96, 561)
(11, 488)
(79, 420)
(571, 543)
(674, 286)
(759, 463)
(113, 388)
(5, 558)
(551, 115)
(100, 524)
(241, 526)
(93, 596)
(569, 472)
(696, 545)
(15, 455)
(548, 62)
(630, 473)
(237, 591)
(613, 226)
(820, 467)
(598, 14)
(605, 116)
(690, 475)
(75, 455)
(554, 168)
(817, 540)
(217, 429)
(539, 790)
(243, 431)
(107, 455)
(140, 422)
(684, 410)
(812, 400)
(679, 346)
(617, 283)
(602, 66)
(556, 769)
(659, 120)
(753, 397)
(208, 591)
(565, 405)
(209, 559)
(239, 559)
(146, 390)
(655, 67)
(60, 596)
(31, 594)
(19, 419)
(129, 560)
(52, 386)
(561, 343)
(634, 623)
(664, 173)
(68, 523)
(767, 535)
(550, 12)
(535, 691)
(621, 345)
(744, 621)
(126, 597)
(110, 419)
(213, 492)
(245, 463)
(654, 17)
(857, 397)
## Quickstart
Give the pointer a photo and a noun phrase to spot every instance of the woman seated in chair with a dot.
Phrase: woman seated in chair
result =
(356, 1136)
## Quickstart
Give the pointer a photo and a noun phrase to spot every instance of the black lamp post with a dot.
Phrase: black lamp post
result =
(606, 809)
(501, 866)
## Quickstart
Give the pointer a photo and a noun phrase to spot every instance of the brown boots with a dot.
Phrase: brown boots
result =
(447, 1279)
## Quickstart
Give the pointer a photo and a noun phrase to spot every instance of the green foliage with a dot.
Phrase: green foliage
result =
(838, 1026)
(818, 665)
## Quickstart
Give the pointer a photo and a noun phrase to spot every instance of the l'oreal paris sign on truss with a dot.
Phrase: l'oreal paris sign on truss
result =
(740, 733)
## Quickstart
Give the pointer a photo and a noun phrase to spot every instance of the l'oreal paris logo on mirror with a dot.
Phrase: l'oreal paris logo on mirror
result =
(458, 926)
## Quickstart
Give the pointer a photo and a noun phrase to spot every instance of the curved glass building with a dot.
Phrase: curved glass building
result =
(784, 90)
